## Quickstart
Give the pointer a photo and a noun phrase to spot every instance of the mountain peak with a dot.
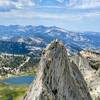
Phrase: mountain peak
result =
(54, 44)
(57, 79)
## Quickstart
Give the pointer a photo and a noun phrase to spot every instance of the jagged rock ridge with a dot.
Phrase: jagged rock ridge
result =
(57, 79)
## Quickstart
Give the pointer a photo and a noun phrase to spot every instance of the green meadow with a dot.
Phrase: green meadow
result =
(15, 91)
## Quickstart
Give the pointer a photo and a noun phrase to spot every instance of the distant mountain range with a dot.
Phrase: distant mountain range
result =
(23, 39)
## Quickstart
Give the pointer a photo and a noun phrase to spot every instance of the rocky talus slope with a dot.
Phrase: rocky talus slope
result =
(58, 78)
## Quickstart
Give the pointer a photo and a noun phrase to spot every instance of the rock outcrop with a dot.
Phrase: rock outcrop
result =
(90, 54)
(58, 78)
(91, 76)
(84, 67)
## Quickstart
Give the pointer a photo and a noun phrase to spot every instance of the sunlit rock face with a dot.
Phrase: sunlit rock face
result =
(88, 63)
(57, 79)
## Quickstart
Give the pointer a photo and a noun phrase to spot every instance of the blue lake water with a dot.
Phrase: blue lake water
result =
(19, 80)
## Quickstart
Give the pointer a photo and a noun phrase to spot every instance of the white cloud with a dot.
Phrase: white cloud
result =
(61, 1)
(84, 4)
(92, 14)
(10, 4)
(81, 4)
(6, 4)
(39, 15)
(24, 3)
(19, 4)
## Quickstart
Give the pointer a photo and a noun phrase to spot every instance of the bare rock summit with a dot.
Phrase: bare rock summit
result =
(58, 78)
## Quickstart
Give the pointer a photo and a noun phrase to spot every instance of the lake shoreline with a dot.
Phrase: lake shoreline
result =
(30, 73)
(15, 87)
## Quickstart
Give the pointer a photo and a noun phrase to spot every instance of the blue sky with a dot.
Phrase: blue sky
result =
(76, 15)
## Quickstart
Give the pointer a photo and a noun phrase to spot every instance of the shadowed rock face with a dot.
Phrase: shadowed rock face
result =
(57, 79)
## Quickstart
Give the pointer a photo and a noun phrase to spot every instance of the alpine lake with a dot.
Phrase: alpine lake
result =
(15, 88)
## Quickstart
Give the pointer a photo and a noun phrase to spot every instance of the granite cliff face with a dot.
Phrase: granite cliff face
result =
(58, 78)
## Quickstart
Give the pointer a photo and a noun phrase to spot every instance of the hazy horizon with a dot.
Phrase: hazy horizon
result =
(66, 29)
(75, 15)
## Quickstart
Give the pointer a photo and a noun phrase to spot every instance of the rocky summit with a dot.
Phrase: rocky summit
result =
(58, 78)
